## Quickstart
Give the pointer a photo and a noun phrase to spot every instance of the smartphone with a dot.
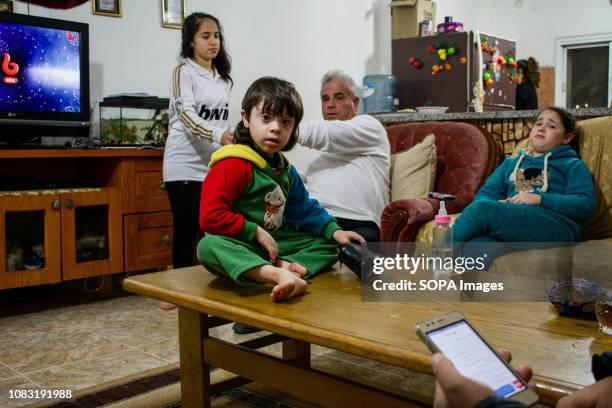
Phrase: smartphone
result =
(452, 335)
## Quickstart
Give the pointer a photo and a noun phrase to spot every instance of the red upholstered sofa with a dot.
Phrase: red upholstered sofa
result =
(466, 155)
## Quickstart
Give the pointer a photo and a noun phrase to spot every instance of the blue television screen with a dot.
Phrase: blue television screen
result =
(40, 69)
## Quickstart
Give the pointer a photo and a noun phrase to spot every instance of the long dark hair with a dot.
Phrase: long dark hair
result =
(278, 96)
(569, 124)
(530, 71)
(222, 62)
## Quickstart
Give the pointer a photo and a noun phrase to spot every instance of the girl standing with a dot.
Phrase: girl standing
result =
(198, 125)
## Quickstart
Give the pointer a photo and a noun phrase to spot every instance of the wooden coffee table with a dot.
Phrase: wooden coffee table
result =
(332, 314)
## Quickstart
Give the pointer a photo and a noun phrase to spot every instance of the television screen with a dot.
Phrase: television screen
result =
(40, 69)
(44, 78)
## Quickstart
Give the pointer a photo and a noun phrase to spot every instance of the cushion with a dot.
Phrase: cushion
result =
(596, 151)
(413, 171)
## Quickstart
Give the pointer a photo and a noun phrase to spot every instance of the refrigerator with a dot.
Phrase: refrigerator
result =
(465, 71)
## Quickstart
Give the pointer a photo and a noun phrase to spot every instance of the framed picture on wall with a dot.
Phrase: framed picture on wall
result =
(6, 6)
(106, 7)
(173, 13)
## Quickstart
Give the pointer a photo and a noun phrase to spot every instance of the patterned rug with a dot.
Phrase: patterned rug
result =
(248, 398)
(132, 393)
(121, 392)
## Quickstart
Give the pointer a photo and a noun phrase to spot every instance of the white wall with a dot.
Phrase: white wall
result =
(294, 39)
(534, 24)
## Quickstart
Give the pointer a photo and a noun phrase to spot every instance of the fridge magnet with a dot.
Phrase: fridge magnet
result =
(415, 63)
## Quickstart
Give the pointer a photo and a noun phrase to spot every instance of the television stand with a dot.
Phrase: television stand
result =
(76, 213)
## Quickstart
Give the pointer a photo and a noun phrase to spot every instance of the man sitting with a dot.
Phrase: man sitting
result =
(348, 173)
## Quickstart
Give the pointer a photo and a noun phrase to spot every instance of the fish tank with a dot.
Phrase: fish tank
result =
(134, 121)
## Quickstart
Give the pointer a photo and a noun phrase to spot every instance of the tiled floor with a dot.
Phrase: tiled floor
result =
(86, 345)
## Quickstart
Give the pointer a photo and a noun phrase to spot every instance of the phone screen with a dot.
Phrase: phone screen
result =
(473, 358)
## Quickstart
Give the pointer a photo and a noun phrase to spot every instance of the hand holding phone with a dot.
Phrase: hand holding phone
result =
(473, 358)
(454, 390)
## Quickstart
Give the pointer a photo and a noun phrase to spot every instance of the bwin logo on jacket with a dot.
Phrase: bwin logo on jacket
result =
(214, 114)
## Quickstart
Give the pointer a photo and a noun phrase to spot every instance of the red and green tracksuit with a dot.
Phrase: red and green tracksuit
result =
(242, 191)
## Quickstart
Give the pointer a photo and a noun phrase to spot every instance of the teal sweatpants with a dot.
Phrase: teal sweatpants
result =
(485, 223)
(231, 257)
(490, 221)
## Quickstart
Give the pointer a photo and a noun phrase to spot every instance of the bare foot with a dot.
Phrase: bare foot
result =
(294, 267)
(166, 306)
(289, 285)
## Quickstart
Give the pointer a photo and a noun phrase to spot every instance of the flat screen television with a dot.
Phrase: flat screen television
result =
(44, 78)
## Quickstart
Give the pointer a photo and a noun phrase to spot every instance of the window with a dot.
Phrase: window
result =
(584, 74)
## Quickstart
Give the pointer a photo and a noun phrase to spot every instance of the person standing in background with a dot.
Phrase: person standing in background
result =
(198, 125)
(529, 80)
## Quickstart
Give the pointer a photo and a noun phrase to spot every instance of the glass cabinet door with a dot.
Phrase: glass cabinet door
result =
(29, 240)
(91, 231)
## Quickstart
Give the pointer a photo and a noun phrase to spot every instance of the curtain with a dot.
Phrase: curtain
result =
(58, 4)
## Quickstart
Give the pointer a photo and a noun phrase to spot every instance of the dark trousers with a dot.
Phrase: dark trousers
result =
(367, 229)
(184, 199)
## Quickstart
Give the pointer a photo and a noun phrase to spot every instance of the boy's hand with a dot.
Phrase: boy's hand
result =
(264, 239)
(227, 138)
(525, 198)
(345, 237)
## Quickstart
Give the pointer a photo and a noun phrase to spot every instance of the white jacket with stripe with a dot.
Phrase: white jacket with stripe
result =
(198, 117)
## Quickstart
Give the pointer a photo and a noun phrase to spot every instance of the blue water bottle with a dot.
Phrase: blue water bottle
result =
(379, 93)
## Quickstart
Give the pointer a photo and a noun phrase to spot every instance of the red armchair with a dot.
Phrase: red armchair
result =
(466, 156)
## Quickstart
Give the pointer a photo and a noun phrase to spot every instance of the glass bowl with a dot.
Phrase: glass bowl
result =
(575, 297)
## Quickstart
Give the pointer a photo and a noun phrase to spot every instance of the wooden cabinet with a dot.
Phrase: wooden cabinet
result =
(147, 224)
(51, 236)
(101, 212)
(38, 216)
(141, 184)
(148, 240)
(91, 233)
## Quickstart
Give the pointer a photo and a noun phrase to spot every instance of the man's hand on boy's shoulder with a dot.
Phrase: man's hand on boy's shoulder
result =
(524, 198)
(227, 138)
(345, 237)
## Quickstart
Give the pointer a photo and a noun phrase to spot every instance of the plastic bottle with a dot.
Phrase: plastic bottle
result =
(442, 240)
(379, 93)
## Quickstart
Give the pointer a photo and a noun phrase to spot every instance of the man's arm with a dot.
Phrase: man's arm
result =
(360, 135)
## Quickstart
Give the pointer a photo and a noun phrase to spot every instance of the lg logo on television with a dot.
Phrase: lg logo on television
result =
(9, 68)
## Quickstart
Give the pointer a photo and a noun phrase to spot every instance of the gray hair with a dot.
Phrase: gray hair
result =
(338, 74)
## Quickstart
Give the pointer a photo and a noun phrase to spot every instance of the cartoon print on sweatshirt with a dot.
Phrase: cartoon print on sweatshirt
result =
(532, 179)
(275, 206)
(529, 180)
